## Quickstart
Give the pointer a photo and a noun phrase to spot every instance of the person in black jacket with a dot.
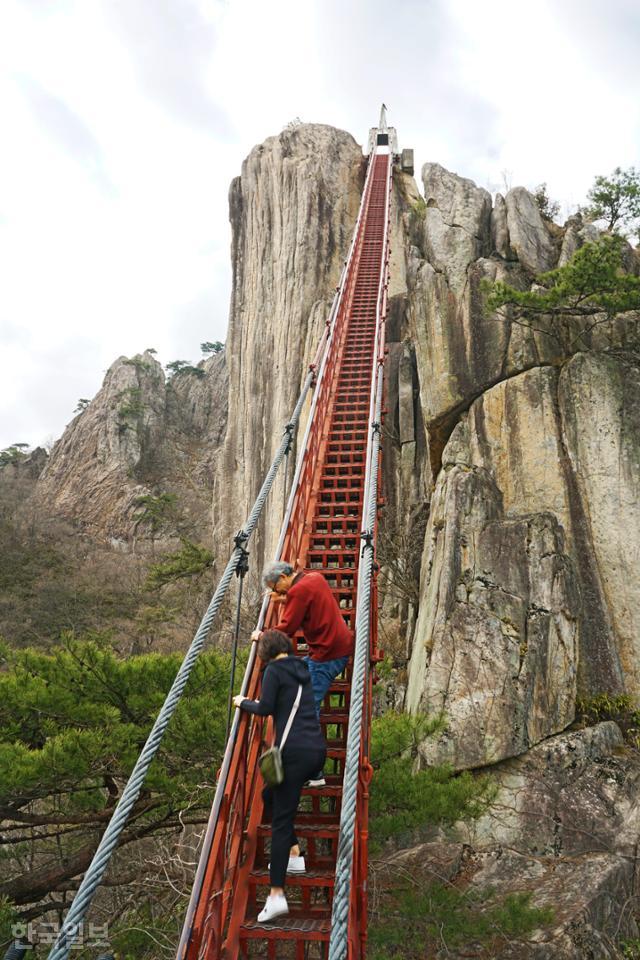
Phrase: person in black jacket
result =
(303, 754)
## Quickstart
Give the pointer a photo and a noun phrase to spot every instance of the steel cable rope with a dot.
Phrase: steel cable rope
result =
(98, 865)
(344, 861)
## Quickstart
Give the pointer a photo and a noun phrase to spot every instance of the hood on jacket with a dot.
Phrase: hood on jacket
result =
(295, 667)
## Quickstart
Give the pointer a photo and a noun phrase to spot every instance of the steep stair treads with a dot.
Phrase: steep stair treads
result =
(323, 527)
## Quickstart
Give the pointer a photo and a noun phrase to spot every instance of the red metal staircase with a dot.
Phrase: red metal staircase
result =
(323, 529)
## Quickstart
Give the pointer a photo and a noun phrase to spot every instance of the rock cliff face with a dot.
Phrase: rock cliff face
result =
(140, 435)
(520, 445)
(552, 447)
(527, 593)
(527, 431)
(292, 212)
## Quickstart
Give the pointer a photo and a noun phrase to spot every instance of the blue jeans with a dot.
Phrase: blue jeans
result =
(323, 675)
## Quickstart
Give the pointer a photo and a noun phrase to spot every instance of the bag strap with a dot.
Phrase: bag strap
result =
(294, 708)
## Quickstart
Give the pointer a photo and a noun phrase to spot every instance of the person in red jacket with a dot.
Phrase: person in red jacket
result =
(310, 606)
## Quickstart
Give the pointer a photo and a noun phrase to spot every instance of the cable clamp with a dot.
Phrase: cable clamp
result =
(242, 566)
(290, 427)
(367, 536)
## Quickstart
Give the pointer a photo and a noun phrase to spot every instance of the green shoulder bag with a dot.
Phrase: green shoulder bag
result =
(270, 762)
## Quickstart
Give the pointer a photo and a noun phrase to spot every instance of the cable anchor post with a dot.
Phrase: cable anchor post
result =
(242, 568)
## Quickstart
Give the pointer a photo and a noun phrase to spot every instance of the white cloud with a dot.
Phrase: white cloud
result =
(559, 109)
(125, 120)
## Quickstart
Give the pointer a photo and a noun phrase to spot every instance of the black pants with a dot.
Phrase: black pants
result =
(281, 803)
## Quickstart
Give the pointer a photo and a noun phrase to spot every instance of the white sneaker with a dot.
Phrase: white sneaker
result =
(316, 782)
(274, 907)
(295, 865)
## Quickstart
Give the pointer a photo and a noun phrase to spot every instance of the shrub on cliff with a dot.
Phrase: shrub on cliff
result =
(549, 209)
(403, 798)
(156, 514)
(178, 367)
(189, 561)
(592, 286)
(421, 918)
(212, 346)
(13, 454)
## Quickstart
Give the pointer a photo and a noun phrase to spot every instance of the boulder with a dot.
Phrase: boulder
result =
(457, 223)
(564, 826)
(561, 829)
(500, 229)
(529, 237)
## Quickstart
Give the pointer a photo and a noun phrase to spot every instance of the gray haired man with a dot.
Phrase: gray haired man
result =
(310, 606)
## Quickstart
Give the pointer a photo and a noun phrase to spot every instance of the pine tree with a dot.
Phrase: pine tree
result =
(592, 286)
(212, 346)
(616, 200)
(72, 723)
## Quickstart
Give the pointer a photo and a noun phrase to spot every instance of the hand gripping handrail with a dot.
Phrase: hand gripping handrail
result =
(97, 867)
(341, 936)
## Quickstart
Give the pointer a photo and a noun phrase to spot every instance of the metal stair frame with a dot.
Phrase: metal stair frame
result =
(211, 929)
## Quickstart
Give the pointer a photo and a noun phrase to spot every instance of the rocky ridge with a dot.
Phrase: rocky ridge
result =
(141, 435)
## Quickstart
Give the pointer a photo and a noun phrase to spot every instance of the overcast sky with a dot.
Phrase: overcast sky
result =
(123, 122)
